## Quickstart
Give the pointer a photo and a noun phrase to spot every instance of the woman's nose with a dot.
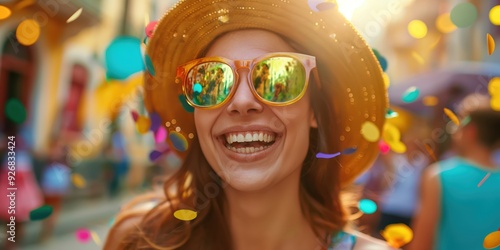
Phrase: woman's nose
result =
(243, 101)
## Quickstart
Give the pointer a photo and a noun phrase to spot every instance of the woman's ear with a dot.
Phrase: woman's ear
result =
(312, 121)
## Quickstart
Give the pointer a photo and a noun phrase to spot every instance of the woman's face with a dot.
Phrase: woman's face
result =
(255, 165)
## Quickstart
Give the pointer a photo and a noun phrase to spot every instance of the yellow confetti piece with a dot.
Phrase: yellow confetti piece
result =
(495, 15)
(185, 214)
(417, 29)
(495, 103)
(387, 80)
(491, 44)
(78, 180)
(28, 32)
(430, 101)
(397, 147)
(95, 238)
(143, 124)
(494, 86)
(391, 133)
(452, 116)
(75, 16)
(492, 240)
(4, 12)
(370, 131)
(397, 235)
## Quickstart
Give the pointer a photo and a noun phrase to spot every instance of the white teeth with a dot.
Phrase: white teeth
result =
(250, 137)
(247, 150)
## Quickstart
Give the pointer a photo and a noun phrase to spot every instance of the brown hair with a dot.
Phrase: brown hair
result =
(487, 122)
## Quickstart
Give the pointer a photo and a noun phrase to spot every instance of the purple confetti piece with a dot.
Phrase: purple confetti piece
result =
(326, 156)
(160, 134)
(154, 155)
(162, 146)
(349, 151)
(155, 121)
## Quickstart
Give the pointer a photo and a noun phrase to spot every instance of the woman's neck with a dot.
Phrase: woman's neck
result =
(270, 219)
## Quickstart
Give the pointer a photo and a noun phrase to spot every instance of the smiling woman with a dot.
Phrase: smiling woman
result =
(271, 85)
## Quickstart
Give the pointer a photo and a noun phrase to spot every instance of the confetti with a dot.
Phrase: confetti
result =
(28, 32)
(75, 16)
(387, 80)
(367, 206)
(418, 57)
(452, 116)
(135, 115)
(83, 235)
(95, 237)
(392, 137)
(4, 12)
(150, 28)
(41, 213)
(154, 155)
(160, 134)
(78, 180)
(492, 240)
(179, 141)
(494, 86)
(411, 95)
(483, 180)
(370, 131)
(24, 4)
(397, 235)
(384, 147)
(391, 114)
(417, 29)
(15, 111)
(495, 15)
(149, 65)
(491, 44)
(430, 101)
(326, 156)
(123, 57)
(155, 121)
(349, 151)
(430, 152)
(381, 59)
(185, 214)
(143, 124)
(464, 15)
(444, 23)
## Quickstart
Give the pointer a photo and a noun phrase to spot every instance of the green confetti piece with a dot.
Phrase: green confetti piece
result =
(15, 111)
(41, 213)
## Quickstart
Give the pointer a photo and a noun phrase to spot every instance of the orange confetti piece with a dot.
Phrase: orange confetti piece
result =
(397, 235)
(430, 152)
(491, 44)
(430, 101)
(4, 12)
(492, 240)
(28, 32)
(78, 180)
(74, 16)
(452, 116)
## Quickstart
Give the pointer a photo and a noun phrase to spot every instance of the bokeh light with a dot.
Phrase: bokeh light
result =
(123, 57)
(28, 32)
(495, 15)
(444, 23)
(4, 12)
(417, 29)
(463, 15)
(15, 111)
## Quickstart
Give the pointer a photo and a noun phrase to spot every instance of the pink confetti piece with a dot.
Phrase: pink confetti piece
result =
(135, 115)
(326, 156)
(484, 179)
(150, 28)
(160, 134)
(384, 147)
(83, 235)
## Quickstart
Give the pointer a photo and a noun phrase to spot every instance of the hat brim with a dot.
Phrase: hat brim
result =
(342, 55)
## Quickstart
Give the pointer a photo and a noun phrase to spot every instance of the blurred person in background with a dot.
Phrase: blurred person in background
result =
(460, 196)
(55, 183)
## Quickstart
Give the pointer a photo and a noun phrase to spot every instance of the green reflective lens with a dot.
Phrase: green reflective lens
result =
(279, 79)
(209, 83)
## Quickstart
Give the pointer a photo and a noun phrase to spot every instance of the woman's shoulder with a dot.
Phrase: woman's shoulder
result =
(366, 242)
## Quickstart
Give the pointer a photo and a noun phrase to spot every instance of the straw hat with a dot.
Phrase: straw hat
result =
(188, 28)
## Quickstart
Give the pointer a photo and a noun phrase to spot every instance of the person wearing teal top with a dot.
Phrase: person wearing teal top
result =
(460, 202)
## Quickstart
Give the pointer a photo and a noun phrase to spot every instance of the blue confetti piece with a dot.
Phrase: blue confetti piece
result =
(326, 156)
